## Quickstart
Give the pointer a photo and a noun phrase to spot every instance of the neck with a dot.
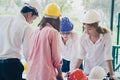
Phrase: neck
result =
(94, 38)
(95, 35)
(47, 24)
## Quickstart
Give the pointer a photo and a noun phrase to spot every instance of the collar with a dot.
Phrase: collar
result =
(87, 36)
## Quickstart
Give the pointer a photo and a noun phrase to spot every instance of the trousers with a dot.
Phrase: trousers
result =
(11, 69)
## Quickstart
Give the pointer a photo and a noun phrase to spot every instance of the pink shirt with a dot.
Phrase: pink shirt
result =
(43, 57)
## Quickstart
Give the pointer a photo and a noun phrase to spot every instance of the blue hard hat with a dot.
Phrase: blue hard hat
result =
(65, 25)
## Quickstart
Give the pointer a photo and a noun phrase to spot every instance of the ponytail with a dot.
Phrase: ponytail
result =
(102, 30)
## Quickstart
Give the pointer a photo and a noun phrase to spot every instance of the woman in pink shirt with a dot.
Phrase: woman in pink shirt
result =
(44, 60)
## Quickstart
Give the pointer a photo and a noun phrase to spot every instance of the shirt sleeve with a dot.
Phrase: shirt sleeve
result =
(82, 49)
(26, 38)
(108, 47)
(77, 46)
(56, 57)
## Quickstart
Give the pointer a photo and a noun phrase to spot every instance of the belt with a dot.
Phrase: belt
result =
(9, 60)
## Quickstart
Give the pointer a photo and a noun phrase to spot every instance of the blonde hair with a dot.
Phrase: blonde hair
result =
(102, 30)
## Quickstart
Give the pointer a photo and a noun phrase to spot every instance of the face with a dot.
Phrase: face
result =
(90, 30)
(30, 17)
(65, 35)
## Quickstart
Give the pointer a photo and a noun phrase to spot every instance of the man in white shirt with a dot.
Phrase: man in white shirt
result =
(14, 31)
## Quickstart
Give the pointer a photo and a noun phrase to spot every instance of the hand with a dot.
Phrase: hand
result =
(113, 77)
(67, 74)
(59, 77)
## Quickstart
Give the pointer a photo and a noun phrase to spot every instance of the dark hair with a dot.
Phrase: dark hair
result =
(99, 29)
(27, 8)
(55, 22)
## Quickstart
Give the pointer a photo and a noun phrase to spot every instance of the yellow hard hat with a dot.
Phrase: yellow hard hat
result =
(52, 9)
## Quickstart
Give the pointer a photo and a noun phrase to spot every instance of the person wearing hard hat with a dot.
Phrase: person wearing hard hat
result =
(95, 44)
(14, 32)
(44, 60)
(69, 45)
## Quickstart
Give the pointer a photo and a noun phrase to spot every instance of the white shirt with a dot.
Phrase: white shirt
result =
(13, 32)
(70, 50)
(95, 54)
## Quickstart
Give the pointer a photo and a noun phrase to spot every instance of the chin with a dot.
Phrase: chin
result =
(30, 22)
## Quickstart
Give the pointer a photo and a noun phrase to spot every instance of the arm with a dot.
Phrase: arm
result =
(59, 76)
(26, 37)
(79, 62)
(108, 53)
(56, 57)
(77, 65)
(112, 75)
(109, 64)
(81, 51)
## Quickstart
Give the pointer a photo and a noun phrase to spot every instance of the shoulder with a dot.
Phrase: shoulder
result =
(49, 32)
(34, 31)
(20, 19)
(106, 35)
(83, 36)
(6, 18)
(75, 36)
(50, 29)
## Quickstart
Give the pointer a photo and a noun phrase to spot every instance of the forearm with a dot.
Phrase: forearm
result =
(79, 62)
(59, 70)
(59, 76)
(109, 64)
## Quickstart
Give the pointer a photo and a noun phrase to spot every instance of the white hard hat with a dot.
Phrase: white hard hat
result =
(97, 73)
(35, 3)
(91, 17)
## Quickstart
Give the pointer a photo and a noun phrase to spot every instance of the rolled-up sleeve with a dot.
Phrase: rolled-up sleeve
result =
(56, 57)
(108, 47)
(82, 49)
